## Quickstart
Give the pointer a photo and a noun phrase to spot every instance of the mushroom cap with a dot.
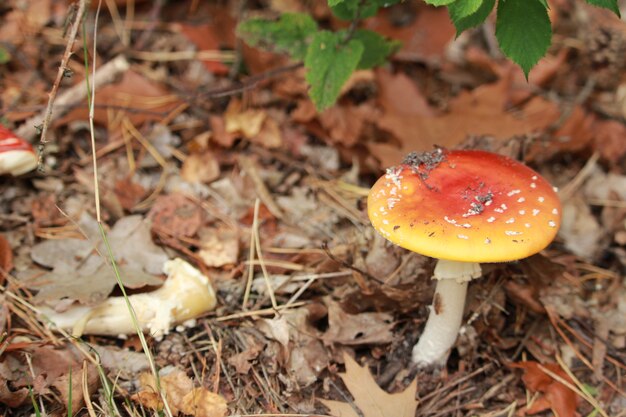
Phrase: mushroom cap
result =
(468, 206)
(16, 155)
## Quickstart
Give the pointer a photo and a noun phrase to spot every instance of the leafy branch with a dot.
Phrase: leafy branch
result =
(523, 31)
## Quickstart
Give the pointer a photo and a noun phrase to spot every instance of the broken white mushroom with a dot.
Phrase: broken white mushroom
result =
(16, 155)
(185, 295)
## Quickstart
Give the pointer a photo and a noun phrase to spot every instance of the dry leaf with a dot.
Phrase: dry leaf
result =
(80, 273)
(200, 168)
(52, 367)
(424, 31)
(371, 400)
(357, 329)
(219, 246)
(482, 111)
(6, 258)
(149, 101)
(181, 396)
(128, 193)
(175, 215)
(556, 396)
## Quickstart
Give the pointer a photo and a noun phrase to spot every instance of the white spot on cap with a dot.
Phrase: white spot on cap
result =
(535, 212)
(488, 203)
(555, 189)
(503, 206)
(462, 237)
(498, 210)
(511, 220)
(512, 193)
(534, 177)
(551, 223)
(449, 220)
(541, 199)
(555, 211)
(521, 200)
(533, 185)
(491, 219)
(385, 221)
(522, 212)
(527, 225)
(466, 225)
(512, 233)
(487, 241)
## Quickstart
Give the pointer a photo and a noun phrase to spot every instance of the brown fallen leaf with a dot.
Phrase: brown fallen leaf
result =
(482, 111)
(370, 399)
(128, 193)
(82, 274)
(181, 395)
(556, 396)
(53, 368)
(357, 329)
(6, 259)
(219, 246)
(424, 31)
(175, 215)
(148, 100)
(200, 168)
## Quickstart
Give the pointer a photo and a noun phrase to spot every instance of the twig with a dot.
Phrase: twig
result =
(60, 74)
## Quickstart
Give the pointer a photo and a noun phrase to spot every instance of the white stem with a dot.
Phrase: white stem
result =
(446, 314)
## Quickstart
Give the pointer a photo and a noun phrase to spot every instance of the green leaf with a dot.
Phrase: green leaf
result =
(607, 4)
(523, 31)
(438, 3)
(329, 63)
(290, 34)
(5, 56)
(362, 9)
(464, 8)
(463, 21)
(376, 48)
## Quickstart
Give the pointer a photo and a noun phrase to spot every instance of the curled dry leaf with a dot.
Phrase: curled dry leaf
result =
(219, 246)
(181, 395)
(202, 168)
(555, 395)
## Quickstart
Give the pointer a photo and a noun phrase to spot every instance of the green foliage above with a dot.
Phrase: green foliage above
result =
(290, 34)
(376, 48)
(329, 57)
(523, 31)
(469, 13)
(329, 62)
(4, 56)
(358, 9)
(607, 4)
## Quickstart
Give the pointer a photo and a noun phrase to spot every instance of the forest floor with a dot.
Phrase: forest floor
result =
(209, 152)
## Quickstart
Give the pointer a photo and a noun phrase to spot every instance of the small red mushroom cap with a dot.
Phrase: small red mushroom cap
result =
(16, 155)
(468, 206)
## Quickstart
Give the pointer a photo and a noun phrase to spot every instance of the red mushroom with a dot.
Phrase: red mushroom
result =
(463, 208)
(16, 155)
